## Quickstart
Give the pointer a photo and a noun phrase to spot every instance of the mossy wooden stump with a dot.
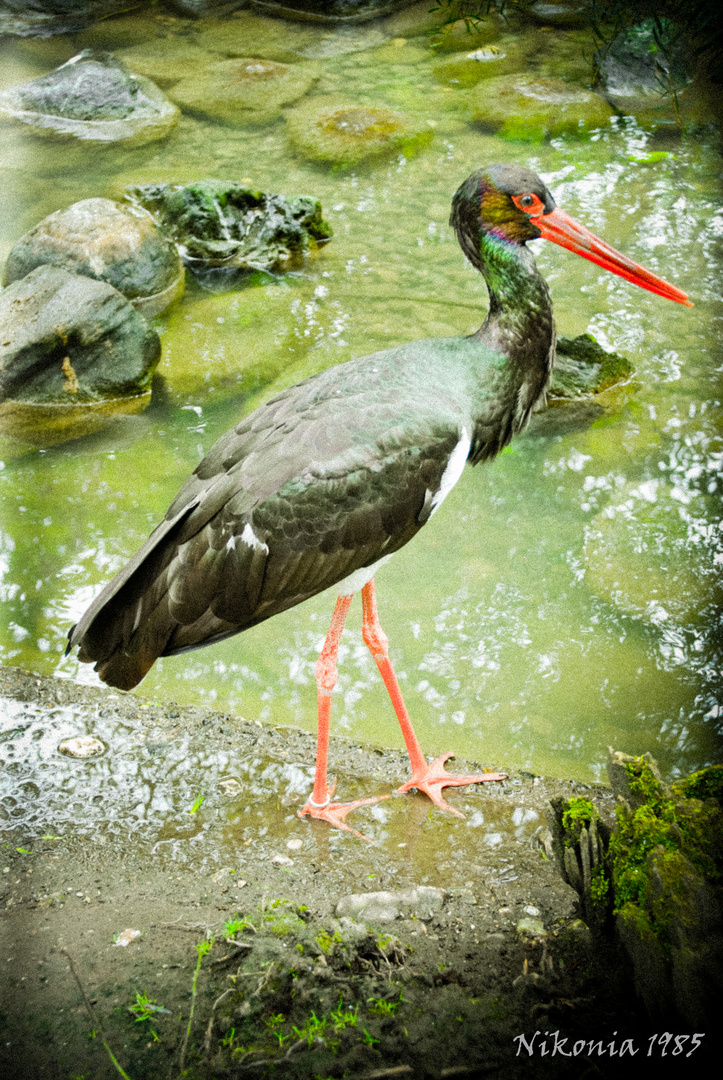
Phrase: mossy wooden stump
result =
(659, 875)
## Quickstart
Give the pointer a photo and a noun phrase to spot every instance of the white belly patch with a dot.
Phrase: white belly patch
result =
(359, 578)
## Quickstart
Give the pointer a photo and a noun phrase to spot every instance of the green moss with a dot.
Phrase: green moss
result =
(643, 782)
(579, 814)
(704, 784)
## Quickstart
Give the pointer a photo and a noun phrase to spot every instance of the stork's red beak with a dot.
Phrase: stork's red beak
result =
(568, 233)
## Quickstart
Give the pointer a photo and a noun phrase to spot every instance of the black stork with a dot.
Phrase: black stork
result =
(320, 486)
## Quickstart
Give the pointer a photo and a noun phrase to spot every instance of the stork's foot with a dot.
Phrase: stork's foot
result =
(433, 777)
(335, 813)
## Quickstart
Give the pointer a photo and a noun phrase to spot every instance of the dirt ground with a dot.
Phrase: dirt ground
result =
(238, 961)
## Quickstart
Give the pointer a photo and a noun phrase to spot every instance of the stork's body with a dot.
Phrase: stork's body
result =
(322, 484)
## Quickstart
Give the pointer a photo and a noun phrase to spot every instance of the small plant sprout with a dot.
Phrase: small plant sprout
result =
(228, 1039)
(274, 1023)
(368, 1039)
(234, 926)
(197, 804)
(314, 1028)
(383, 1007)
(343, 1016)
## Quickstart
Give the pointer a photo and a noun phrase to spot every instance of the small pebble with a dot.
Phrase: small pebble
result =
(530, 910)
(240, 884)
(126, 938)
(282, 860)
(294, 844)
(82, 746)
(230, 787)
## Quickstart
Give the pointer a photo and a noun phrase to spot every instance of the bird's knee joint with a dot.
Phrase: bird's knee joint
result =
(326, 674)
(376, 641)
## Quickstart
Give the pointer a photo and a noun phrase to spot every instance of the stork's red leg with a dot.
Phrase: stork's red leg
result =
(320, 804)
(429, 778)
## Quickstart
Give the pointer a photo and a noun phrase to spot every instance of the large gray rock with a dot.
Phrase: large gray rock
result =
(641, 67)
(41, 18)
(101, 239)
(73, 352)
(93, 97)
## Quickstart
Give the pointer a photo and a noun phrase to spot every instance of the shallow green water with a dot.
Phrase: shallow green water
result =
(564, 599)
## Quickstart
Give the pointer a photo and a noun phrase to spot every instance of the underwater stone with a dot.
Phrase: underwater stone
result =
(93, 98)
(74, 353)
(558, 14)
(166, 60)
(101, 239)
(464, 37)
(345, 134)
(246, 90)
(331, 10)
(82, 746)
(483, 62)
(224, 230)
(532, 109)
(263, 38)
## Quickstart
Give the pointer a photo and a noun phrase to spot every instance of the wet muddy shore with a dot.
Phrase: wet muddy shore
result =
(287, 984)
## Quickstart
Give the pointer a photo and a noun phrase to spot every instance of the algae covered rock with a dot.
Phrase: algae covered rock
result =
(483, 62)
(73, 354)
(101, 239)
(242, 91)
(347, 134)
(94, 98)
(564, 15)
(644, 554)
(580, 840)
(235, 342)
(166, 60)
(582, 367)
(332, 10)
(266, 39)
(224, 230)
(532, 109)
(54, 16)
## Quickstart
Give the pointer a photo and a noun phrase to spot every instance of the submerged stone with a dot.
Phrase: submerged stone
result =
(246, 90)
(59, 17)
(264, 38)
(332, 10)
(461, 36)
(73, 354)
(532, 109)
(82, 746)
(346, 135)
(224, 230)
(94, 98)
(644, 554)
(483, 62)
(571, 14)
(101, 239)
(167, 60)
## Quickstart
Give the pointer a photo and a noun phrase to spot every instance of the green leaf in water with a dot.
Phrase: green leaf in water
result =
(197, 804)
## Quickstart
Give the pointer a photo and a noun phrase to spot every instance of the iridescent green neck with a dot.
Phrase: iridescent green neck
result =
(520, 315)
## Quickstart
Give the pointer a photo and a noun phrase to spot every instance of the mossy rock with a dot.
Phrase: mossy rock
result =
(243, 91)
(560, 14)
(484, 62)
(252, 35)
(166, 61)
(642, 554)
(567, 56)
(223, 227)
(463, 37)
(705, 784)
(347, 134)
(91, 98)
(532, 109)
(582, 367)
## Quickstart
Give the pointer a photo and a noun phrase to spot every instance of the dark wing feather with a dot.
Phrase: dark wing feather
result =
(299, 495)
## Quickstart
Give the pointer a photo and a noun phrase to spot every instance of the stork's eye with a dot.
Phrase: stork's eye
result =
(532, 205)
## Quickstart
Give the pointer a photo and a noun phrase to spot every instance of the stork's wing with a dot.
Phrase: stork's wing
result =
(295, 498)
